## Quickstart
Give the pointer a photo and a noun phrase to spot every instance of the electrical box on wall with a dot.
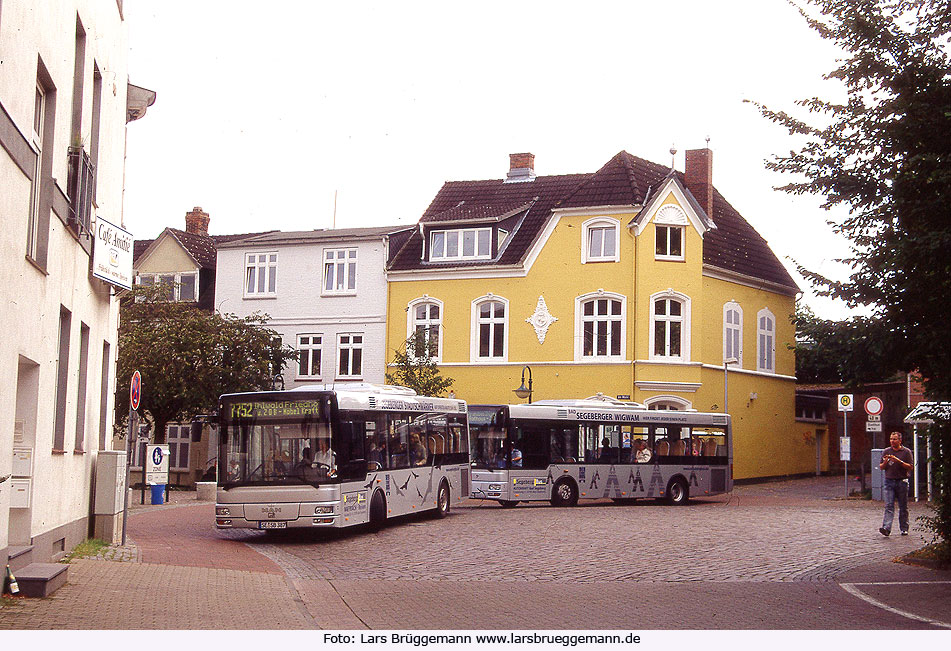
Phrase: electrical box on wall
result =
(110, 482)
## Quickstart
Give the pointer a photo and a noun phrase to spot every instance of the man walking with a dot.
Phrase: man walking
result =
(897, 461)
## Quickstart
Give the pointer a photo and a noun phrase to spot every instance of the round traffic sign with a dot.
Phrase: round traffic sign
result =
(874, 406)
(135, 391)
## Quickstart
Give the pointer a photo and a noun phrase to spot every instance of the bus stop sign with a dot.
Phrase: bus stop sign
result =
(135, 391)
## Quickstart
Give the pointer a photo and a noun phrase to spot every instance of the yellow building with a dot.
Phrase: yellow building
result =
(635, 281)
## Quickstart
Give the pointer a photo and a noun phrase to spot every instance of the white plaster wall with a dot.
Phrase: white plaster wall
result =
(299, 307)
(30, 299)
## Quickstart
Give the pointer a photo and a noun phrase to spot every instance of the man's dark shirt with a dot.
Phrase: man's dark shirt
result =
(895, 470)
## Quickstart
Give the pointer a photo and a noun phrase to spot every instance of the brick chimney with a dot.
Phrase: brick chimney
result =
(521, 168)
(196, 221)
(698, 177)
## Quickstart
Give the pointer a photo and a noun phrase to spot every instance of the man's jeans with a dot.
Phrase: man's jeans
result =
(896, 489)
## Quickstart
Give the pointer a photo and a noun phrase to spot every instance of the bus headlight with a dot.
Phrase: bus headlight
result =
(222, 510)
(495, 487)
(323, 509)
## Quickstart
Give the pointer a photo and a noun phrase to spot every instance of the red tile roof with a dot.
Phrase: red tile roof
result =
(201, 247)
(733, 245)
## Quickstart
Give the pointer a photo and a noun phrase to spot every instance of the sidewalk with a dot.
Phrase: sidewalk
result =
(178, 572)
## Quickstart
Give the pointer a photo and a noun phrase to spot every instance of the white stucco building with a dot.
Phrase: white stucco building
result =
(325, 293)
(65, 101)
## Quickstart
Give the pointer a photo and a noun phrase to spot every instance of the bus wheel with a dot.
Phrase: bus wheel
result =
(678, 493)
(565, 493)
(442, 501)
(508, 504)
(377, 512)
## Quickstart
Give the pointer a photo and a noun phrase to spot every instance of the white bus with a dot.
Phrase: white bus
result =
(563, 450)
(319, 457)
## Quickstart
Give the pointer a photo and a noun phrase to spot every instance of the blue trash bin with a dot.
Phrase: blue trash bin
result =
(158, 493)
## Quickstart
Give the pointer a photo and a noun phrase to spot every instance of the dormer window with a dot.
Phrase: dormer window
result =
(461, 244)
(669, 227)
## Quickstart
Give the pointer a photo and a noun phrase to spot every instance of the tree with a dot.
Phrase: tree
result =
(885, 154)
(189, 357)
(827, 351)
(415, 367)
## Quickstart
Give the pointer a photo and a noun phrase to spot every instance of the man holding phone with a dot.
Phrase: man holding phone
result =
(897, 461)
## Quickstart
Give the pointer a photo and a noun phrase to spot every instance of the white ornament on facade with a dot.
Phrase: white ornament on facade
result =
(541, 319)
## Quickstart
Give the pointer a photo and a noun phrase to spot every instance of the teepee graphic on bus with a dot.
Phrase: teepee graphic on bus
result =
(637, 484)
(612, 481)
(657, 480)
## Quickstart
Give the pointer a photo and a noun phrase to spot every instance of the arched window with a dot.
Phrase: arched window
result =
(669, 403)
(490, 324)
(670, 326)
(765, 341)
(424, 319)
(600, 322)
(600, 240)
(733, 332)
(670, 225)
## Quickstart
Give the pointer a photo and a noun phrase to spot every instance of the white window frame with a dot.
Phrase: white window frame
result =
(474, 331)
(176, 283)
(603, 223)
(459, 235)
(36, 143)
(580, 321)
(729, 328)
(684, 300)
(669, 217)
(350, 346)
(411, 322)
(765, 339)
(269, 262)
(310, 347)
(181, 437)
(346, 265)
(656, 402)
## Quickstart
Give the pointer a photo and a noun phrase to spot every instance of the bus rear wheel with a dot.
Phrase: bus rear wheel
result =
(442, 501)
(678, 493)
(377, 512)
(565, 493)
(508, 504)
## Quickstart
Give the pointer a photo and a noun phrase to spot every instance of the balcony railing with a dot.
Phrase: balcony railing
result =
(79, 186)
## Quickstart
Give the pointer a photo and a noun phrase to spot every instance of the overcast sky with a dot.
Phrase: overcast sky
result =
(265, 111)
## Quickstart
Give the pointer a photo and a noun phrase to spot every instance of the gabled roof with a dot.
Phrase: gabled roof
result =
(317, 235)
(733, 245)
(201, 248)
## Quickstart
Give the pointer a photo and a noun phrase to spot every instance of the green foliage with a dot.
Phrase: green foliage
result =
(414, 367)
(885, 155)
(853, 352)
(87, 548)
(939, 524)
(189, 357)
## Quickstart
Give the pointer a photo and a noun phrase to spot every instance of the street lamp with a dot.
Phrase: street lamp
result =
(726, 383)
(523, 392)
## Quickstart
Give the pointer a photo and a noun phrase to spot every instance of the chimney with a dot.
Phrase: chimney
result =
(521, 168)
(698, 177)
(196, 221)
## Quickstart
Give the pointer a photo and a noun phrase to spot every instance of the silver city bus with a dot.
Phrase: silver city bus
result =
(317, 457)
(560, 450)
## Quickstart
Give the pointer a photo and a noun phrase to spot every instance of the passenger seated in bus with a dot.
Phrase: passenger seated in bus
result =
(417, 451)
(377, 453)
(642, 453)
(607, 454)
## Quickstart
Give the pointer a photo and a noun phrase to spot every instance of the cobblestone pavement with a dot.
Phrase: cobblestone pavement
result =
(769, 556)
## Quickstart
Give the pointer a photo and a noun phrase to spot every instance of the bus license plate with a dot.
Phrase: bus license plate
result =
(272, 525)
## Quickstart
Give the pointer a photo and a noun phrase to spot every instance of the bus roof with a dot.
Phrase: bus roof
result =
(374, 397)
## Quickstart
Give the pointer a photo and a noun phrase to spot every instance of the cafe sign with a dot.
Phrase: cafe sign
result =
(112, 254)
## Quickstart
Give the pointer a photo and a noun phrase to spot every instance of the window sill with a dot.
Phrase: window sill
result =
(79, 452)
(36, 265)
(348, 378)
(667, 258)
(597, 260)
(309, 378)
(334, 294)
(256, 297)
(56, 451)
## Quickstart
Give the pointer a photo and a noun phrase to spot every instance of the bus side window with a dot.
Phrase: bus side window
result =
(398, 441)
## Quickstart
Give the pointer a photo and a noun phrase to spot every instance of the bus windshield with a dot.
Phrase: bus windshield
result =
(279, 453)
(487, 436)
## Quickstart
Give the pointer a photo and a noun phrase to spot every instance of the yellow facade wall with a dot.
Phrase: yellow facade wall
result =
(767, 441)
